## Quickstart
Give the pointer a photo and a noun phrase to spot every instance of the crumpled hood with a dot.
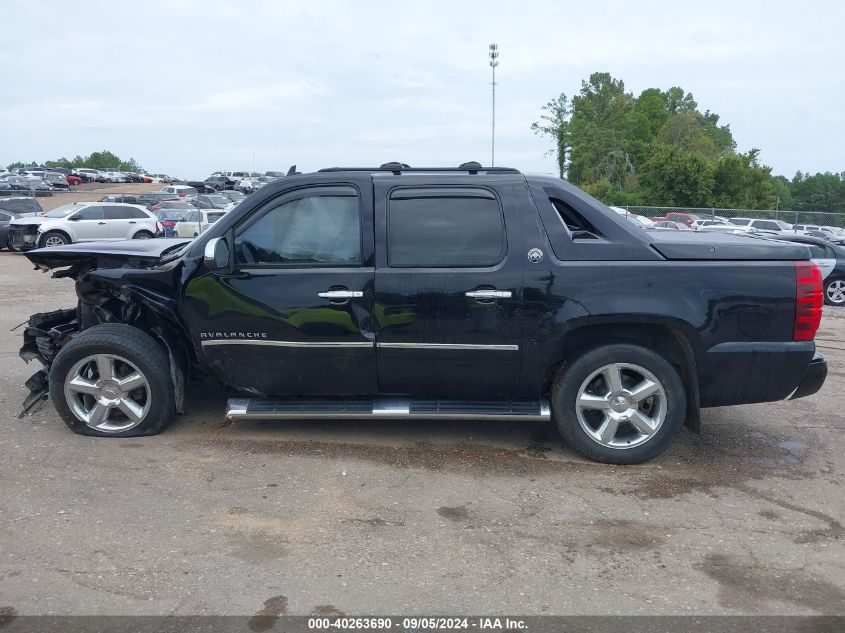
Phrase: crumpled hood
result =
(37, 219)
(107, 254)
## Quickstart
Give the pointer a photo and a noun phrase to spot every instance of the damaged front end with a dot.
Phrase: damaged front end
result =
(117, 282)
(23, 237)
(45, 334)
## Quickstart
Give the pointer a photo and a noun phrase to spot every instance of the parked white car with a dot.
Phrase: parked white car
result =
(750, 225)
(637, 220)
(93, 174)
(196, 222)
(180, 190)
(714, 221)
(115, 176)
(87, 222)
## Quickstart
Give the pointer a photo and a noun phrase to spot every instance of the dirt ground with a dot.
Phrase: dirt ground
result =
(92, 192)
(413, 517)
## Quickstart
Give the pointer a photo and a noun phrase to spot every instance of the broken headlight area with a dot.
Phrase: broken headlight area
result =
(44, 336)
(23, 237)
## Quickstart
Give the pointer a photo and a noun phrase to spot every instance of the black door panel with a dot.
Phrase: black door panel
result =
(435, 340)
(269, 326)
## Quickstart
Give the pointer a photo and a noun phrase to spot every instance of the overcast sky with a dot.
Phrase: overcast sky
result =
(188, 87)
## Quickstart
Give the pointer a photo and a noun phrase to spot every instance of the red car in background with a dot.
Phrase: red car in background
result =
(73, 179)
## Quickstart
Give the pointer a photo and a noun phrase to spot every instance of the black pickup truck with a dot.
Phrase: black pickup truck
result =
(475, 293)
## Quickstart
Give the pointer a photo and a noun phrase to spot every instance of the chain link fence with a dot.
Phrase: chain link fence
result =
(816, 218)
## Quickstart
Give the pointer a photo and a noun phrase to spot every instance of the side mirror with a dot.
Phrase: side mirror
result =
(216, 254)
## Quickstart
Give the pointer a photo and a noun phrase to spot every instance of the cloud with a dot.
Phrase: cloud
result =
(188, 86)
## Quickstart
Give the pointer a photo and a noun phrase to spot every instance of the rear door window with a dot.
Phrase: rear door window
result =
(118, 213)
(444, 228)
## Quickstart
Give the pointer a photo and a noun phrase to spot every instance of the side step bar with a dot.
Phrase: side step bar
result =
(258, 409)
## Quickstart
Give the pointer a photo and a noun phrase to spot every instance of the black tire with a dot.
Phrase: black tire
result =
(143, 235)
(129, 344)
(568, 386)
(837, 292)
(49, 236)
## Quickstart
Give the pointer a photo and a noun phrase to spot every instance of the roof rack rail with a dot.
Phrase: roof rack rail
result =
(397, 169)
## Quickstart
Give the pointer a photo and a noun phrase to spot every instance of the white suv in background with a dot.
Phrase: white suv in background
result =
(115, 176)
(749, 225)
(94, 174)
(84, 222)
(180, 190)
(195, 222)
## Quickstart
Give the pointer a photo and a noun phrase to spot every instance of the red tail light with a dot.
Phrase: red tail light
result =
(808, 301)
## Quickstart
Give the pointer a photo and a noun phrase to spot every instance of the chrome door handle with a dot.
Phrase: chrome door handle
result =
(341, 294)
(489, 294)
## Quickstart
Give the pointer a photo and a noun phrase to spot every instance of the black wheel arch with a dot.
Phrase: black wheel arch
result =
(670, 341)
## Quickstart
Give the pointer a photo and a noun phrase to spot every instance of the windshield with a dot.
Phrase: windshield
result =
(62, 211)
(740, 221)
(213, 217)
(219, 200)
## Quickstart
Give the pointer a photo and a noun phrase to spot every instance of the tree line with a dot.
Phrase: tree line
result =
(95, 160)
(660, 149)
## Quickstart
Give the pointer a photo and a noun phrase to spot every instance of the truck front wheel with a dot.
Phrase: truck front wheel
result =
(113, 380)
(619, 404)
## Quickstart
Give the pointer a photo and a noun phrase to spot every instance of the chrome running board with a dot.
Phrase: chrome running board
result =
(259, 409)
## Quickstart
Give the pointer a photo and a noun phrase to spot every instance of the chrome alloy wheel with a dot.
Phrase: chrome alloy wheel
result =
(621, 405)
(107, 393)
(54, 240)
(836, 292)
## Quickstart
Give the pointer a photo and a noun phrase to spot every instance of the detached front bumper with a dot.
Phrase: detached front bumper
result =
(813, 378)
(45, 334)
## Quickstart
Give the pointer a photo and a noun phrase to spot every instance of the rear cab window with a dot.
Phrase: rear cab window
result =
(443, 227)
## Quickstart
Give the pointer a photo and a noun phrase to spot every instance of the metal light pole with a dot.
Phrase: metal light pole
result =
(494, 61)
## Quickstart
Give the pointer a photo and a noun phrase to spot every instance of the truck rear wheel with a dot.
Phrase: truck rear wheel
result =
(113, 380)
(619, 404)
(834, 292)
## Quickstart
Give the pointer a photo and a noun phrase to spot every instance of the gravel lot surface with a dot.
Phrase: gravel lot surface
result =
(413, 517)
(92, 192)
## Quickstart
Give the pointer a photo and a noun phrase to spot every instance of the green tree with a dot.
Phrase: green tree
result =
(554, 123)
(599, 130)
(741, 182)
(96, 160)
(781, 193)
(677, 177)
